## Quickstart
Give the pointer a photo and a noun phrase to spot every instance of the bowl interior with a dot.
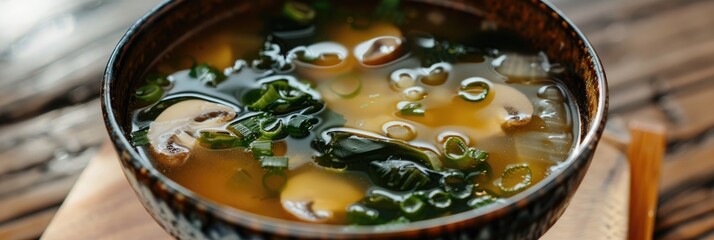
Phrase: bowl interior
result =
(536, 21)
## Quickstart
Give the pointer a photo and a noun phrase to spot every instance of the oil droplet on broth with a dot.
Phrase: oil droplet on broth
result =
(399, 130)
(414, 93)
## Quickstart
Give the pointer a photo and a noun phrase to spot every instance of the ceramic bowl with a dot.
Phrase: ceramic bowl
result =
(185, 215)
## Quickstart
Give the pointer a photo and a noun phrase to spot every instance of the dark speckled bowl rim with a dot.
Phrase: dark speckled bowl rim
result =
(266, 224)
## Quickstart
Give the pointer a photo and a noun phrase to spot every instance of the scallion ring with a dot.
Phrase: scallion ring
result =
(412, 206)
(217, 140)
(272, 129)
(474, 89)
(261, 148)
(274, 162)
(274, 180)
(515, 178)
(439, 199)
(269, 96)
(149, 93)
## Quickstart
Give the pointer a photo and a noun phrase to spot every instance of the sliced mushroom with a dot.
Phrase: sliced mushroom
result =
(503, 108)
(319, 196)
(172, 134)
(512, 108)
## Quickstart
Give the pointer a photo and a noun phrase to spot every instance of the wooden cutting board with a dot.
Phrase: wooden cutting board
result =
(102, 205)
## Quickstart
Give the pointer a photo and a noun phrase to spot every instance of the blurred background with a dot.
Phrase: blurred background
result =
(658, 55)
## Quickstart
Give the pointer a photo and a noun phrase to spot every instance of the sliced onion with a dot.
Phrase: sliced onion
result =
(522, 66)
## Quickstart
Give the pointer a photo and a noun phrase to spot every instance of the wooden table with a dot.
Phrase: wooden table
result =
(102, 205)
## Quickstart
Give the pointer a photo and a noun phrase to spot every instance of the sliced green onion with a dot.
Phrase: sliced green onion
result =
(362, 215)
(455, 149)
(474, 89)
(380, 200)
(268, 97)
(273, 162)
(290, 100)
(207, 74)
(346, 86)
(299, 125)
(480, 175)
(412, 206)
(478, 155)
(274, 180)
(139, 138)
(460, 156)
(515, 178)
(482, 198)
(298, 12)
(412, 109)
(157, 79)
(248, 130)
(439, 199)
(280, 84)
(261, 148)
(457, 154)
(455, 184)
(219, 140)
(149, 93)
(272, 129)
(290, 97)
(277, 97)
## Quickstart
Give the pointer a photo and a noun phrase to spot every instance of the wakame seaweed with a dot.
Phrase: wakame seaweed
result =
(350, 150)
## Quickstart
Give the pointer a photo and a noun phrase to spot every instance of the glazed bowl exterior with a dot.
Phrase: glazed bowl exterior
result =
(185, 215)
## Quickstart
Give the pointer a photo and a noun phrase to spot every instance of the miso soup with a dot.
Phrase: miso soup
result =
(350, 113)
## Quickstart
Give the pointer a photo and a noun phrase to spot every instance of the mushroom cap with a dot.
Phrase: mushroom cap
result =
(172, 133)
(512, 108)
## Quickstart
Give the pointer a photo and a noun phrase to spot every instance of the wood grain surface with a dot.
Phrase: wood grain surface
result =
(102, 205)
(657, 55)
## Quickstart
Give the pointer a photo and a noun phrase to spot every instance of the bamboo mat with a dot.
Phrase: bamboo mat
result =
(102, 205)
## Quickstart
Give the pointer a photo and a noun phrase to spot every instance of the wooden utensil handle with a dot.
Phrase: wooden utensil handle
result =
(645, 152)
